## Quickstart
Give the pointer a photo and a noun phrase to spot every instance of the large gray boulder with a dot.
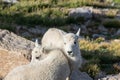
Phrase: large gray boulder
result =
(86, 13)
(10, 60)
(14, 43)
(77, 75)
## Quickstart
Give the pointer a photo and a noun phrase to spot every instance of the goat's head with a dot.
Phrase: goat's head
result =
(36, 52)
(71, 44)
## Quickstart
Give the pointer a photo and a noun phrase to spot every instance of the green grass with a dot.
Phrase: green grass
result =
(10, 28)
(117, 1)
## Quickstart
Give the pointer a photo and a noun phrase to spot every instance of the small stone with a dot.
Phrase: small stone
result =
(117, 16)
(102, 28)
(100, 75)
(95, 36)
(118, 32)
(26, 34)
(77, 75)
(37, 30)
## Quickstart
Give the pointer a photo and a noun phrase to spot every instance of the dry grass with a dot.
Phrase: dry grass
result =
(101, 56)
(8, 61)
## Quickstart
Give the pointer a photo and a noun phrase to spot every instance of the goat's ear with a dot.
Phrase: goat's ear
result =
(36, 43)
(78, 32)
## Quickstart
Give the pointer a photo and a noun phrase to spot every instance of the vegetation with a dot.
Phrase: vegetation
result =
(117, 1)
(39, 12)
(100, 56)
(112, 23)
(36, 12)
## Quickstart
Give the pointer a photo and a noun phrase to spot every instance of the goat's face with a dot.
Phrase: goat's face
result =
(36, 52)
(71, 45)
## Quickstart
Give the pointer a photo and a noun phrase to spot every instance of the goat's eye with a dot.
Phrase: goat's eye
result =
(74, 42)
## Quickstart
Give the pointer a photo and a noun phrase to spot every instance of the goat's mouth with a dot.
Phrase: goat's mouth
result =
(71, 54)
(38, 57)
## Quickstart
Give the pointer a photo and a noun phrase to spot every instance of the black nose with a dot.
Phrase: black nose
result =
(69, 52)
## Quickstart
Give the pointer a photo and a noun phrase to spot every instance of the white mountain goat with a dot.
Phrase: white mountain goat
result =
(54, 66)
(37, 52)
(67, 42)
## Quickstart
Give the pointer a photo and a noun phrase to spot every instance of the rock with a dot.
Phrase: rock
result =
(9, 61)
(77, 75)
(86, 13)
(26, 34)
(84, 29)
(76, 27)
(73, 28)
(18, 30)
(10, 1)
(118, 32)
(102, 29)
(111, 77)
(100, 75)
(14, 43)
(37, 30)
(34, 31)
(118, 16)
(95, 36)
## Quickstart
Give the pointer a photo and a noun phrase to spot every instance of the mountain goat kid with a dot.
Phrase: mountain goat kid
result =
(67, 42)
(54, 66)
(37, 52)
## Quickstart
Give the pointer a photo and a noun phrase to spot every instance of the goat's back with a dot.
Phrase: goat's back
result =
(53, 39)
(53, 67)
